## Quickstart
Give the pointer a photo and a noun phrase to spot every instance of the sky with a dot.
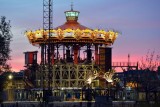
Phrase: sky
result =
(138, 22)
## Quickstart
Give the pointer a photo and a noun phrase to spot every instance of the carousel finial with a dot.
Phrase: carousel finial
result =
(72, 6)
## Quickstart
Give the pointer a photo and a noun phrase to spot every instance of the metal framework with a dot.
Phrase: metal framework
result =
(46, 48)
(123, 65)
(47, 14)
(68, 76)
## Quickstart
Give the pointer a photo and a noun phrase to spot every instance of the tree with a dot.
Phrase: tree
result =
(3, 83)
(5, 38)
(159, 68)
(150, 62)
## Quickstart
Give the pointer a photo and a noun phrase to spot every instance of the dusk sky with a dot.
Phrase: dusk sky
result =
(137, 20)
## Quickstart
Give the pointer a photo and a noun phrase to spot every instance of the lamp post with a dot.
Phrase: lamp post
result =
(10, 87)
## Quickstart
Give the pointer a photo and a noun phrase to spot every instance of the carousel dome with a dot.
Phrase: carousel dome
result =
(72, 25)
(72, 32)
(72, 21)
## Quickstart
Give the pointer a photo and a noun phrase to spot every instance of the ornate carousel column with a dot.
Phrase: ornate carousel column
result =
(76, 48)
(52, 54)
(64, 52)
(57, 53)
(42, 53)
(96, 54)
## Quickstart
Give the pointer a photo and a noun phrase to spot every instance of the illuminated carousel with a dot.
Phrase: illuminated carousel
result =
(76, 52)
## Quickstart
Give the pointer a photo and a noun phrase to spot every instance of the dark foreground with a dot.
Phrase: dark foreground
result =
(81, 104)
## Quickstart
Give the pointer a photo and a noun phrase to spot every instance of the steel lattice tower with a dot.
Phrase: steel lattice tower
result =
(47, 23)
(46, 48)
(47, 14)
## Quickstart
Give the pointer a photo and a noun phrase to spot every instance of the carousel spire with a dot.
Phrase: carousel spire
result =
(72, 6)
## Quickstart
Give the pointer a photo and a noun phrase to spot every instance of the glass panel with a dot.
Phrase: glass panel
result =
(77, 13)
(71, 13)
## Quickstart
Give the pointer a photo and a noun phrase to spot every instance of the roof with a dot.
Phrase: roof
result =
(71, 21)
(72, 25)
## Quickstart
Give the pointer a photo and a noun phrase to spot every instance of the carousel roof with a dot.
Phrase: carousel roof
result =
(72, 32)
(72, 25)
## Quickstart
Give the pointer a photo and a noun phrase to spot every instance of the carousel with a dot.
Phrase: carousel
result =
(76, 52)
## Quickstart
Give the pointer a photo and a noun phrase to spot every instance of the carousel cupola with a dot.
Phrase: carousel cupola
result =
(72, 15)
(72, 21)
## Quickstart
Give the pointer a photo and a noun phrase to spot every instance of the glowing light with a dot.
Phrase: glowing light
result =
(89, 81)
(96, 36)
(108, 75)
(10, 77)
(109, 80)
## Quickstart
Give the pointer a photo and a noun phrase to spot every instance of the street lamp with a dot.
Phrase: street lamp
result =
(10, 77)
(9, 87)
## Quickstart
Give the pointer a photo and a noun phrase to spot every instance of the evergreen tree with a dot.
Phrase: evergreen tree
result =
(5, 38)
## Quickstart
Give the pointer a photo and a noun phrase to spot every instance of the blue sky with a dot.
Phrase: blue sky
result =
(137, 20)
